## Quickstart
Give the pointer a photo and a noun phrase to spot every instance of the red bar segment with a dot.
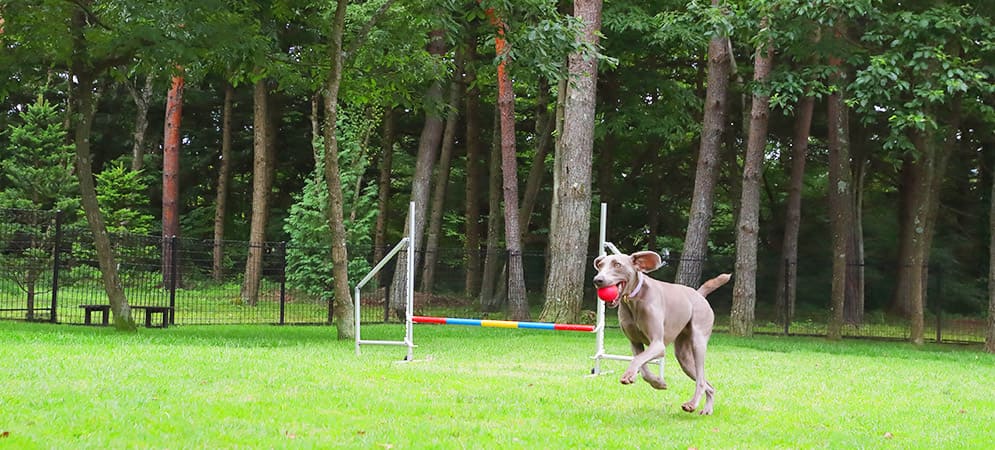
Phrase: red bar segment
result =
(426, 319)
(572, 327)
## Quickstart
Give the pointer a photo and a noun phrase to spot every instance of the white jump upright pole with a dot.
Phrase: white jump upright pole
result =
(599, 350)
(409, 306)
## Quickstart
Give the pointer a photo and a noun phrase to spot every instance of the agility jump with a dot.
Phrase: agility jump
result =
(408, 243)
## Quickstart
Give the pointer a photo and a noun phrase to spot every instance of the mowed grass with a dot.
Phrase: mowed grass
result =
(298, 387)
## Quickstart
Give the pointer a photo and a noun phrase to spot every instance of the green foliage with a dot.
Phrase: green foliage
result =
(924, 60)
(37, 166)
(121, 195)
(309, 264)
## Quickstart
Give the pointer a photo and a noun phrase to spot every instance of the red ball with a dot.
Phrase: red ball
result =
(608, 293)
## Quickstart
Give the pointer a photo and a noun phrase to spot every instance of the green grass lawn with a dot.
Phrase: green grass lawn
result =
(298, 387)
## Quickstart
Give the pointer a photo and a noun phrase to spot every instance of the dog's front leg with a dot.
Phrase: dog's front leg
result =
(640, 357)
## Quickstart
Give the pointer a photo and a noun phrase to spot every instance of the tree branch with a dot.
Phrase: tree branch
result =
(365, 31)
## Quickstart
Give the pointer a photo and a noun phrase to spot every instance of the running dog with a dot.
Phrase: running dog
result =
(654, 314)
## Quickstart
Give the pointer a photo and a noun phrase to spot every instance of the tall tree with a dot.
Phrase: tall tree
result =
(490, 299)
(706, 175)
(840, 194)
(442, 177)
(518, 307)
(474, 169)
(224, 177)
(83, 67)
(341, 312)
(262, 181)
(788, 273)
(747, 230)
(569, 233)
(170, 175)
(428, 150)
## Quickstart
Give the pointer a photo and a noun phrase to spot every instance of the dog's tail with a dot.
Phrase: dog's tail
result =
(713, 284)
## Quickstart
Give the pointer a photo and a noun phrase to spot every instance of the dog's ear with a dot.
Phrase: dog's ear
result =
(598, 261)
(646, 261)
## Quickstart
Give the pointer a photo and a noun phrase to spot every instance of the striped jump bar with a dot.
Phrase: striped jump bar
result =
(501, 323)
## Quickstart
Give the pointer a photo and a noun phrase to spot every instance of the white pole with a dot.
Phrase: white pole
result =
(600, 327)
(410, 306)
(355, 317)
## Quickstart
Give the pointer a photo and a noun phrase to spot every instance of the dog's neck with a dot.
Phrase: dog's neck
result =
(639, 287)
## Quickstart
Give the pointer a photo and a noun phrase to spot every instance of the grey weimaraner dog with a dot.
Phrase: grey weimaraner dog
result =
(654, 314)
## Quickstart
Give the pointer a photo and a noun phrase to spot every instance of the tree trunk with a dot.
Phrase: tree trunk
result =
(493, 258)
(221, 200)
(518, 307)
(85, 108)
(713, 125)
(141, 97)
(558, 160)
(788, 273)
(545, 118)
(990, 334)
(442, 180)
(474, 172)
(840, 202)
(901, 303)
(853, 306)
(428, 149)
(341, 311)
(383, 186)
(924, 172)
(170, 175)
(568, 240)
(744, 298)
(261, 183)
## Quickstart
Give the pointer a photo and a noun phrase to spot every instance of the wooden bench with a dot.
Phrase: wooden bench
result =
(165, 312)
(88, 310)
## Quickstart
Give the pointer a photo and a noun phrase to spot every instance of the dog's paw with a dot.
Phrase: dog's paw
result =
(628, 377)
(689, 407)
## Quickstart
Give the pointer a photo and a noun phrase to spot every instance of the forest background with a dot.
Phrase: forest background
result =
(724, 131)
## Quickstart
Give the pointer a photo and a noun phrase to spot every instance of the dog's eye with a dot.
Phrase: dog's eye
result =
(615, 264)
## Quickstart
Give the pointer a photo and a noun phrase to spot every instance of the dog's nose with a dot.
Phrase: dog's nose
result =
(599, 281)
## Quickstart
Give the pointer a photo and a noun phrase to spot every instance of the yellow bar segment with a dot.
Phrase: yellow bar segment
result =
(498, 324)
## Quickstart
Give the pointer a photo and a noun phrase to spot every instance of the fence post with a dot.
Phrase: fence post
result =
(56, 262)
(939, 305)
(283, 281)
(172, 278)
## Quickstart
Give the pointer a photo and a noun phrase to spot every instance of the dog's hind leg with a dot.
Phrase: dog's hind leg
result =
(690, 353)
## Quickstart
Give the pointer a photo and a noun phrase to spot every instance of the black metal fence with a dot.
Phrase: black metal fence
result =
(49, 272)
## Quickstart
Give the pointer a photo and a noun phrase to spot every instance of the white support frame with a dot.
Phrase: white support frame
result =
(599, 351)
(408, 242)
